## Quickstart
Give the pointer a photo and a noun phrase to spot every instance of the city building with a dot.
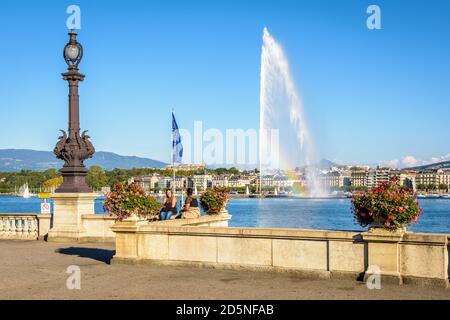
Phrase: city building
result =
(202, 181)
(358, 178)
(427, 178)
(334, 180)
(186, 167)
(220, 181)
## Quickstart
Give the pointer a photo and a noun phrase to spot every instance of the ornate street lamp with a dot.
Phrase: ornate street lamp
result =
(73, 148)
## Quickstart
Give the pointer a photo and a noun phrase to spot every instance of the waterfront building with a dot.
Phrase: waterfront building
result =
(202, 181)
(358, 178)
(149, 182)
(407, 178)
(281, 181)
(376, 177)
(179, 183)
(238, 181)
(164, 182)
(220, 181)
(443, 177)
(334, 180)
(427, 177)
(186, 167)
(267, 181)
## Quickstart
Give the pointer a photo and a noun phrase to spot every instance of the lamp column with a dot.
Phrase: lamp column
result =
(74, 198)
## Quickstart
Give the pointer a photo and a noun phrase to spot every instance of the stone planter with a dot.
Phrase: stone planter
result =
(378, 227)
(222, 211)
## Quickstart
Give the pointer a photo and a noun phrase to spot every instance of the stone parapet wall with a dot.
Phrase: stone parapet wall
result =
(400, 257)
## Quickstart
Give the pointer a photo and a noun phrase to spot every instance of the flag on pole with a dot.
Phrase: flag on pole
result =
(177, 147)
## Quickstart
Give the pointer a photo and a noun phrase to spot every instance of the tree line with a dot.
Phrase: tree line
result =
(97, 177)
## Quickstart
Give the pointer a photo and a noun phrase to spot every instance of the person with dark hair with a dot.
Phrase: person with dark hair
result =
(191, 208)
(169, 208)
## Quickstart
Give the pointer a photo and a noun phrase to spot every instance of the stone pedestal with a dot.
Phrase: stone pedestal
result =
(127, 237)
(68, 208)
(383, 253)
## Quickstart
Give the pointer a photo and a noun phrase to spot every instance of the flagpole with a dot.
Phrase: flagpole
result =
(173, 160)
(177, 150)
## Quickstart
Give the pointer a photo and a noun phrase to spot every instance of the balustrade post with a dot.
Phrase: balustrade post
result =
(20, 227)
(26, 228)
(12, 227)
(2, 228)
(33, 228)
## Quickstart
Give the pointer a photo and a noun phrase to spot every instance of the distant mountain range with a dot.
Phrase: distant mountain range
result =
(325, 164)
(433, 166)
(12, 160)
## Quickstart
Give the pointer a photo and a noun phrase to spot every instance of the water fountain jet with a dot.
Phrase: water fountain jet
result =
(281, 109)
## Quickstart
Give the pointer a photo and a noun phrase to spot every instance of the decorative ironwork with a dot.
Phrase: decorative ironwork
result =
(73, 148)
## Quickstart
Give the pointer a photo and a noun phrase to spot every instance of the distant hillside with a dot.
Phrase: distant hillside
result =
(325, 164)
(433, 166)
(20, 159)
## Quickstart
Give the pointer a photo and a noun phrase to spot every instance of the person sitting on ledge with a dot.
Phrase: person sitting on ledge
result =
(190, 209)
(169, 208)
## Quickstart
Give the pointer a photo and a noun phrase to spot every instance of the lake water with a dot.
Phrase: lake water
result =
(329, 214)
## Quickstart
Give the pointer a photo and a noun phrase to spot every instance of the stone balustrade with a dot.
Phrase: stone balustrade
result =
(93, 227)
(19, 227)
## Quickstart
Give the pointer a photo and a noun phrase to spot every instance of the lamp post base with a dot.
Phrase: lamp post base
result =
(67, 215)
(74, 180)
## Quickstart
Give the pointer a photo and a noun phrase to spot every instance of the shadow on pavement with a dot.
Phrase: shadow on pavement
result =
(101, 255)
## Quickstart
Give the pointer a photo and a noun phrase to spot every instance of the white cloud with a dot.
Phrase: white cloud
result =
(411, 161)
(389, 163)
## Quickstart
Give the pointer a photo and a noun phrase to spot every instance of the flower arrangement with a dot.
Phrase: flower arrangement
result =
(390, 205)
(126, 200)
(215, 200)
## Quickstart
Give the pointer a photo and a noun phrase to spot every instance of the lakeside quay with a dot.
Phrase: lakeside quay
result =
(38, 271)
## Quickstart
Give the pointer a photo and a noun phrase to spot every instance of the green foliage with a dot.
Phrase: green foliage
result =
(431, 186)
(52, 184)
(35, 179)
(214, 200)
(390, 205)
(421, 186)
(128, 199)
(97, 178)
(224, 171)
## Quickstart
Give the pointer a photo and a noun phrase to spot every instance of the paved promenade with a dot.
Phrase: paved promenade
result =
(37, 270)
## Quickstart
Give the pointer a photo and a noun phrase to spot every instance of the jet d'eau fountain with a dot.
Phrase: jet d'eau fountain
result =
(281, 111)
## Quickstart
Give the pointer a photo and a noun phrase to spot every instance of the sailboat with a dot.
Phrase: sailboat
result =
(24, 192)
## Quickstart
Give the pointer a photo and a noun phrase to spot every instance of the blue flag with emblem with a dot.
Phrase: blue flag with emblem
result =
(177, 147)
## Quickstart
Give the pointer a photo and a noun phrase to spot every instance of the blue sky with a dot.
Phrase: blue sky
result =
(369, 95)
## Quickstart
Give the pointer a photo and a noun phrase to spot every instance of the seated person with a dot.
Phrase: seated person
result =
(169, 208)
(190, 209)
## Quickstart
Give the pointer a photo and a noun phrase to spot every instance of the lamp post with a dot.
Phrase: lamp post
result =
(74, 198)
(73, 147)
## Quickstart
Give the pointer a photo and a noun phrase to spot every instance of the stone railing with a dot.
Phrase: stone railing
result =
(19, 226)
(94, 227)
(398, 257)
